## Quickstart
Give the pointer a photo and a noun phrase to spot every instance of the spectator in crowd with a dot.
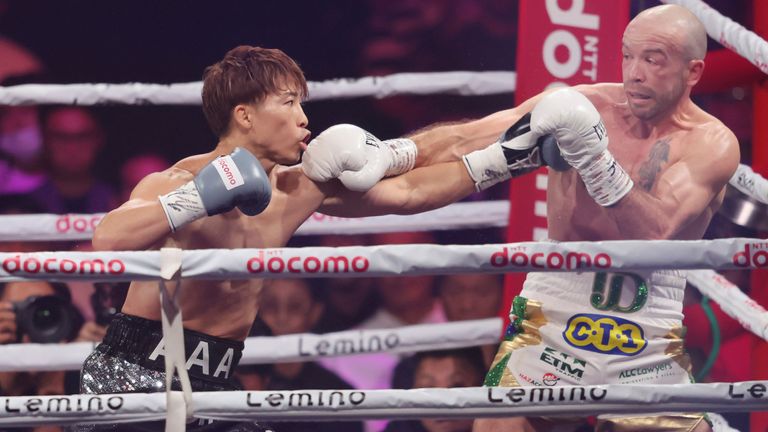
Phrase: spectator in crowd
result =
(72, 140)
(291, 306)
(464, 297)
(405, 301)
(472, 297)
(136, 168)
(20, 149)
(348, 301)
(443, 369)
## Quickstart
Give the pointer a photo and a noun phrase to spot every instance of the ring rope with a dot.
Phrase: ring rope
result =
(458, 82)
(288, 348)
(314, 405)
(413, 259)
(462, 215)
(729, 33)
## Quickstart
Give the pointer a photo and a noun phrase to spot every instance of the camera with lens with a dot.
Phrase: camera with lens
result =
(46, 319)
(107, 300)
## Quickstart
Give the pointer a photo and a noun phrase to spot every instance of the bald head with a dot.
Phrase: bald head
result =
(675, 23)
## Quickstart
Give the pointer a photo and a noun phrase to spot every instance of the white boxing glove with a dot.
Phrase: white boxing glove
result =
(356, 157)
(583, 142)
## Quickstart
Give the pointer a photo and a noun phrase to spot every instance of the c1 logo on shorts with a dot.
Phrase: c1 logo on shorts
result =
(604, 334)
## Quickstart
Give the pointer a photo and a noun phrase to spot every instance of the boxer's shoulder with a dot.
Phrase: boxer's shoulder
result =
(602, 94)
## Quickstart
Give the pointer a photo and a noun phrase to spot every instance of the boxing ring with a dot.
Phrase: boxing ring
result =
(700, 258)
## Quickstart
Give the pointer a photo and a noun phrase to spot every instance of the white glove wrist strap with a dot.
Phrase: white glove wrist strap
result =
(487, 166)
(404, 153)
(182, 206)
(606, 180)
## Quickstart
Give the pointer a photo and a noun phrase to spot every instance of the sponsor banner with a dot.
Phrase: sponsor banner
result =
(418, 259)
(732, 300)
(46, 227)
(94, 266)
(299, 347)
(29, 411)
(469, 215)
(424, 337)
(314, 405)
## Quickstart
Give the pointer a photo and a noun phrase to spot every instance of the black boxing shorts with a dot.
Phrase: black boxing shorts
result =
(130, 360)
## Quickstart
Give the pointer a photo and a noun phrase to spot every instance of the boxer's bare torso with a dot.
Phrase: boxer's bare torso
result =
(227, 309)
(645, 154)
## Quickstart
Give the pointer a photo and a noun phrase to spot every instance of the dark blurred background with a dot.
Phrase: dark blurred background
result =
(173, 41)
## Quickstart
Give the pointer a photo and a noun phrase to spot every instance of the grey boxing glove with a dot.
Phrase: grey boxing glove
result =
(235, 180)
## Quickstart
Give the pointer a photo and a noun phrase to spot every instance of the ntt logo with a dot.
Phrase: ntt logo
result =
(552, 260)
(33, 265)
(310, 264)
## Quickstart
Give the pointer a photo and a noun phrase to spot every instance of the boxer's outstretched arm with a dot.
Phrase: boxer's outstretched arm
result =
(446, 142)
(140, 222)
(663, 207)
(416, 191)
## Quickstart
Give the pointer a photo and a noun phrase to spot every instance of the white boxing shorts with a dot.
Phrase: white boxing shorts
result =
(598, 328)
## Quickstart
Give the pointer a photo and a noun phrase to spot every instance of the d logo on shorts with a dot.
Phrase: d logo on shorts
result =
(604, 334)
(610, 301)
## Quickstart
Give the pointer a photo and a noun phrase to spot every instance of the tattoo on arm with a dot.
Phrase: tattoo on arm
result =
(652, 166)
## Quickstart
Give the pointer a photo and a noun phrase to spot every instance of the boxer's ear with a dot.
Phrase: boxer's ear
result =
(695, 71)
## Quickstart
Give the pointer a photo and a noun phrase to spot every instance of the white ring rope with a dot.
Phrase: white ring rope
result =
(415, 259)
(729, 33)
(463, 215)
(324, 405)
(289, 348)
(459, 82)
(732, 300)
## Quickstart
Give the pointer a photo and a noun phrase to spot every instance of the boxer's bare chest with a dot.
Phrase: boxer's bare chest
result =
(572, 213)
(227, 308)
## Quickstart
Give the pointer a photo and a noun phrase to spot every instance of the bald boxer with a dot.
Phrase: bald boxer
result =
(248, 193)
(647, 163)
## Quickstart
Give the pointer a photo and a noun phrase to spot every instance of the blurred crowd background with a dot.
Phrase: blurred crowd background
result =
(61, 159)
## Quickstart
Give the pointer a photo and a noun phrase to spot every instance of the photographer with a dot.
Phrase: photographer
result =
(35, 311)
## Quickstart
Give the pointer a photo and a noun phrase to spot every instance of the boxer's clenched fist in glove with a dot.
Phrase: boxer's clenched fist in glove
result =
(356, 157)
(583, 141)
(517, 152)
(235, 180)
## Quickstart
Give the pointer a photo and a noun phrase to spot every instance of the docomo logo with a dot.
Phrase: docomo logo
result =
(753, 255)
(552, 260)
(319, 217)
(77, 223)
(34, 265)
(228, 172)
(310, 264)
(572, 17)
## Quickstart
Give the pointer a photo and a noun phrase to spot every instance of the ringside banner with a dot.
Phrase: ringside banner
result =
(416, 259)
